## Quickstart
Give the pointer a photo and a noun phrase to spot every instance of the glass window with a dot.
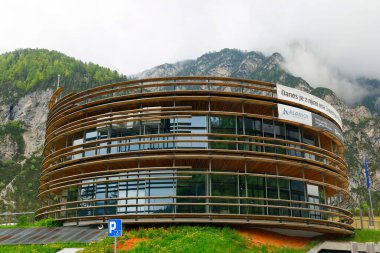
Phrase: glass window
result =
(292, 133)
(91, 135)
(102, 134)
(284, 194)
(313, 197)
(193, 125)
(224, 185)
(269, 132)
(195, 186)
(87, 192)
(122, 193)
(279, 130)
(313, 190)
(112, 192)
(240, 126)
(268, 128)
(294, 152)
(136, 191)
(161, 187)
(298, 193)
(77, 140)
(309, 137)
(335, 148)
(272, 193)
(223, 125)
(253, 128)
(256, 189)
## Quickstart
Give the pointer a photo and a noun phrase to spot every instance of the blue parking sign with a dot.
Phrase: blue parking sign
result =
(114, 228)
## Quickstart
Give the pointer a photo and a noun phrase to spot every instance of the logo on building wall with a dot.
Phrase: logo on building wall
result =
(306, 99)
(294, 114)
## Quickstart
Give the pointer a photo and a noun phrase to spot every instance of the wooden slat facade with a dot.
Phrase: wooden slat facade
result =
(177, 156)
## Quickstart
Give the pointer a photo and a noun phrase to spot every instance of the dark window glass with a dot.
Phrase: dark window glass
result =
(309, 137)
(240, 126)
(284, 194)
(269, 132)
(253, 128)
(292, 133)
(112, 192)
(268, 128)
(279, 130)
(224, 185)
(272, 192)
(257, 127)
(194, 186)
(298, 193)
(223, 125)
(87, 192)
(256, 189)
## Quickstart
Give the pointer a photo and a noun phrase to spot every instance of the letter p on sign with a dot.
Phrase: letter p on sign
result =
(114, 228)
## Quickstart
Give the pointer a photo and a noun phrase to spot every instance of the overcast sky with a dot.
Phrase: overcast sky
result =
(320, 39)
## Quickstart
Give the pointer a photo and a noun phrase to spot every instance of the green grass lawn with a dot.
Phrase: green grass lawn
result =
(186, 239)
(45, 248)
(364, 235)
(49, 223)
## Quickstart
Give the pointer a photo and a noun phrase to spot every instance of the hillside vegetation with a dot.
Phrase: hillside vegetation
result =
(22, 72)
(25, 70)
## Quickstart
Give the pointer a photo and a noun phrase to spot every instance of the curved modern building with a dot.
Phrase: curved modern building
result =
(203, 150)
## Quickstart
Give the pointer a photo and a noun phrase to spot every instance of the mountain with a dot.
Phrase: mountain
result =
(28, 78)
(232, 63)
(361, 122)
(372, 100)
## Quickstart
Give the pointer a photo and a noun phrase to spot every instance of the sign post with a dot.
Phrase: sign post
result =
(115, 230)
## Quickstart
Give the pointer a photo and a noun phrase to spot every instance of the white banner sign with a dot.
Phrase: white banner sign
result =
(304, 98)
(295, 114)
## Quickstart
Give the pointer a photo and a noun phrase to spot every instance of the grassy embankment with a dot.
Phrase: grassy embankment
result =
(182, 239)
(185, 239)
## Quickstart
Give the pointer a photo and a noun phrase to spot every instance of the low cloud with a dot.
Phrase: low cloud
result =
(301, 60)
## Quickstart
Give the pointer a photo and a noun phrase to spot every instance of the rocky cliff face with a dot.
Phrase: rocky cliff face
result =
(23, 119)
(31, 110)
(27, 81)
(361, 122)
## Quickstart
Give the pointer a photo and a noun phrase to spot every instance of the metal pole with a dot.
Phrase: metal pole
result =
(361, 218)
(371, 220)
(115, 246)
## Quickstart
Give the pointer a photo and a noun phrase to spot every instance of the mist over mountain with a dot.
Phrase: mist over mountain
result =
(27, 81)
